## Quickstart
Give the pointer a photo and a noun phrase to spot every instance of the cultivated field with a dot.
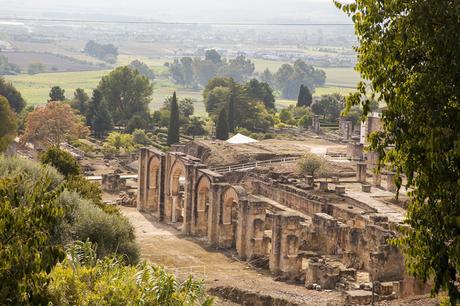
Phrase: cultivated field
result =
(35, 88)
(51, 62)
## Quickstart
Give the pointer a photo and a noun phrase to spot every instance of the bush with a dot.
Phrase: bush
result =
(310, 163)
(111, 233)
(83, 280)
(63, 161)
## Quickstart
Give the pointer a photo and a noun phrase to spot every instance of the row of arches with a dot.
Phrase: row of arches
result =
(182, 191)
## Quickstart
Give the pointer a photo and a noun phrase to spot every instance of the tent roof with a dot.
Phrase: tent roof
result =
(241, 139)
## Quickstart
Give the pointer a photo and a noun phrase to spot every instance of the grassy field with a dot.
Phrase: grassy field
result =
(35, 88)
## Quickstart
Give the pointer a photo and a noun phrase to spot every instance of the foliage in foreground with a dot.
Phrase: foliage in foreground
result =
(30, 214)
(409, 51)
(8, 124)
(82, 279)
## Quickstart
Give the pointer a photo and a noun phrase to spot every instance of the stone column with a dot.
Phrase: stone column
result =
(310, 180)
(142, 179)
(214, 213)
(316, 126)
(391, 186)
(323, 186)
(355, 151)
(377, 179)
(251, 229)
(284, 257)
(361, 172)
(347, 130)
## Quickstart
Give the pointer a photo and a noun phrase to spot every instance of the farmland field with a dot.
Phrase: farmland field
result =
(35, 88)
(51, 62)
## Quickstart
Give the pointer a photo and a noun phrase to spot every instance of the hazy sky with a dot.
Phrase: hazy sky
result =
(184, 10)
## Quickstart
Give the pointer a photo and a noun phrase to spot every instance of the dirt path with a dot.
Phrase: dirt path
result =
(161, 244)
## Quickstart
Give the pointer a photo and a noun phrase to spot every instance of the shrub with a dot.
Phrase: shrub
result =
(110, 233)
(310, 163)
(63, 161)
(83, 280)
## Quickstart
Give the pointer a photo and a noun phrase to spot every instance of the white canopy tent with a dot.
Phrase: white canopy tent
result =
(240, 139)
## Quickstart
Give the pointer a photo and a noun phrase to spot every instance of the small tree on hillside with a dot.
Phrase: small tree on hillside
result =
(222, 126)
(173, 130)
(80, 100)
(57, 94)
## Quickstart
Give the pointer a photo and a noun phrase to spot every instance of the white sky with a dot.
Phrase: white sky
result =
(186, 10)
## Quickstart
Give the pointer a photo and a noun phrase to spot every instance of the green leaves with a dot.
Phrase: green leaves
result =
(408, 51)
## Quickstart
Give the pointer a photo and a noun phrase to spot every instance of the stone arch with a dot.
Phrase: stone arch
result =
(177, 191)
(203, 197)
(153, 184)
(231, 198)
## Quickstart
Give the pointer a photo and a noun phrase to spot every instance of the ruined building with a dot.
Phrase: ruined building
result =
(326, 233)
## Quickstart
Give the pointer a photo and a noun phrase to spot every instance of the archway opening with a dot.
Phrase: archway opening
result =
(201, 208)
(177, 195)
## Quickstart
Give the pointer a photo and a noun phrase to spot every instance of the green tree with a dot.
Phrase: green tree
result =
(174, 124)
(98, 116)
(8, 124)
(126, 93)
(213, 56)
(222, 125)
(80, 101)
(29, 212)
(408, 51)
(140, 137)
(288, 78)
(195, 127)
(285, 116)
(13, 96)
(260, 92)
(186, 107)
(138, 121)
(57, 94)
(231, 110)
(310, 164)
(305, 97)
(63, 161)
(143, 69)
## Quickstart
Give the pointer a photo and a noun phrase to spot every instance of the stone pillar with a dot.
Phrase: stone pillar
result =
(361, 172)
(316, 126)
(250, 230)
(284, 255)
(214, 212)
(355, 151)
(377, 179)
(347, 131)
(310, 180)
(142, 179)
(323, 186)
(391, 186)
(340, 190)
(366, 188)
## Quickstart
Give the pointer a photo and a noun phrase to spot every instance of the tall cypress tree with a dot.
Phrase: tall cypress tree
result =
(231, 111)
(307, 96)
(173, 130)
(300, 98)
(222, 126)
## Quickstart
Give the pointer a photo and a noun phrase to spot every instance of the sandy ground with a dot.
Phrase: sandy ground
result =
(161, 244)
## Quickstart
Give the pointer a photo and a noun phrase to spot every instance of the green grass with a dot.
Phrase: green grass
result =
(35, 88)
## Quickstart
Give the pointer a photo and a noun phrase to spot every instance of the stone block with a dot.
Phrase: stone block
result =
(340, 190)
(323, 186)
(366, 188)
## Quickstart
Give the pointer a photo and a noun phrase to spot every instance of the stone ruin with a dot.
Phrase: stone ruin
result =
(327, 236)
